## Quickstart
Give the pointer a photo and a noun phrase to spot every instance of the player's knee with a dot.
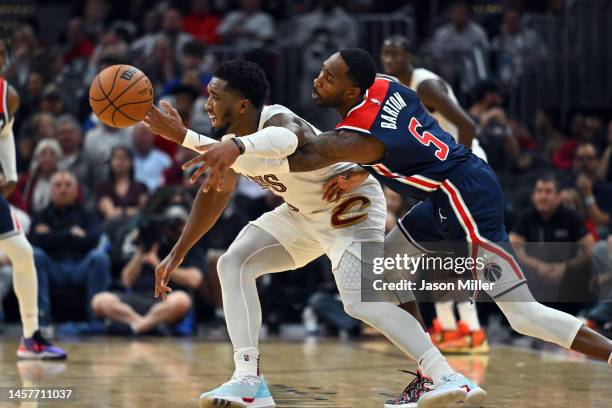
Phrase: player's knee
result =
(100, 302)
(523, 316)
(182, 302)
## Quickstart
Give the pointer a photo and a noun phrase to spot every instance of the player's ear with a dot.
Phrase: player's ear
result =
(353, 91)
(244, 104)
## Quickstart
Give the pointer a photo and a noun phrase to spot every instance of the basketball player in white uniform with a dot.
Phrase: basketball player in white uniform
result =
(295, 233)
(13, 242)
(439, 99)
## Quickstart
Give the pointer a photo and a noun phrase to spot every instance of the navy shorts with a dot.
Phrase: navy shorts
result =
(8, 224)
(468, 207)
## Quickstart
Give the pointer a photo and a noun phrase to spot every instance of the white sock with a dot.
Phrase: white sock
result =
(469, 315)
(25, 281)
(246, 361)
(446, 315)
(434, 365)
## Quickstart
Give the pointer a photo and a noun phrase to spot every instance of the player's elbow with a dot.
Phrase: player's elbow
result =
(13, 101)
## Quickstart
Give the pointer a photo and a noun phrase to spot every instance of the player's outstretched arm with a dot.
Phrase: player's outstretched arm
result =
(334, 147)
(205, 212)
(8, 161)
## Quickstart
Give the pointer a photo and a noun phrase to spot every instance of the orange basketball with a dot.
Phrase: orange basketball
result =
(121, 96)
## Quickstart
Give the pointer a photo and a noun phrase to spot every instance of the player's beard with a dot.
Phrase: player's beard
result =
(218, 133)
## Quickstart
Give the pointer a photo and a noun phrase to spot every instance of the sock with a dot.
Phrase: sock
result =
(446, 315)
(610, 359)
(434, 365)
(246, 361)
(469, 315)
(25, 281)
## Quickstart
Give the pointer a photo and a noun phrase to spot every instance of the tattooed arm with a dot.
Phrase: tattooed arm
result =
(333, 147)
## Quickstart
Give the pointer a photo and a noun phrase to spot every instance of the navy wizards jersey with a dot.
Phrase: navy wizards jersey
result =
(420, 155)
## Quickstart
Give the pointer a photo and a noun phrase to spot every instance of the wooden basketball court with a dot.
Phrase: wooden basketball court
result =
(164, 372)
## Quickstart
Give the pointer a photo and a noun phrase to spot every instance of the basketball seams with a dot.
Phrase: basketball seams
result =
(112, 102)
(106, 96)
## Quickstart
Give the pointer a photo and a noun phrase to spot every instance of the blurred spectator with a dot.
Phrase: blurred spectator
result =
(171, 31)
(605, 168)
(162, 65)
(563, 157)
(95, 14)
(65, 237)
(571, 199)
(114, 45)
(519, 48)
(35, 186)
(249, 27)
(548, 222)
(192, 68)
(201, 22)
(461, 34)
(32, 95)
(594, 190)
(36, 128)
(149, 162)
(330, 18)
(494, 133)
(545, 134)
(79, 46)
(121, 196)
(100, 141)
(149, 28)
(24, 48)
(137, 311)
(53, 101)
(69, 137)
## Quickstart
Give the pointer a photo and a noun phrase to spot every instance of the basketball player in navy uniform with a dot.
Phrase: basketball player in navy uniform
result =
(13, 242)
(439, 99)
(386, 129)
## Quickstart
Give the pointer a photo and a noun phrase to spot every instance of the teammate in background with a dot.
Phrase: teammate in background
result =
(12, 239)
(386, 129)
(292, 235)
(438, 98)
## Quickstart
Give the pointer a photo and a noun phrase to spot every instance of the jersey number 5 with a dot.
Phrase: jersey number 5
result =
(427, 138)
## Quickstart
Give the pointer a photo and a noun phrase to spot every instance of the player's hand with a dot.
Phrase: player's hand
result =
(163, 272)
(165, 122)
(341, 183)
(218, 157)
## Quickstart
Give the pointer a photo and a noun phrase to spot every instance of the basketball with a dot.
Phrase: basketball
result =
(121, 95)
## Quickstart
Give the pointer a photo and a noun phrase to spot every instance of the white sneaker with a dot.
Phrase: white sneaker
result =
(452, 390)
(244, 392)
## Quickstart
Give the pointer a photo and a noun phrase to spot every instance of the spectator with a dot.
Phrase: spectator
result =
(571, 199)
(149, 162)
(163, 66)
(548, 138)
(99, 142)
(24, 48)
(137, 311)
(191, 68)
(461, 35)
(328, 17)
(79, 47)
(249, 27)
(171, 31)
(605, 168)
(562, 268)
(38, 127)
(494, 133)
(201, 22)
(121, 196)
(594, 190)
(53, 101)
(69, 137)
(519, 48)
(35, 186)
(65, 237)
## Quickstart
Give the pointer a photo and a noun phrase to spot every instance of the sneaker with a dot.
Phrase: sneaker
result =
(37, 347)
(476, 396)
(439, 335)
(412, 393)
(468, 342)
(244, 392)
(452, 390)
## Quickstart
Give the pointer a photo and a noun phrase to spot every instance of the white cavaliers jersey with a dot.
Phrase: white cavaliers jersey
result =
(418, 76)
(301, 191)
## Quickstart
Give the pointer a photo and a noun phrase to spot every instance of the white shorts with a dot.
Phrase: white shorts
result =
(358, 217)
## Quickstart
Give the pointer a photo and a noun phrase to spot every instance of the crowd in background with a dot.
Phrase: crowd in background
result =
(103, 205)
